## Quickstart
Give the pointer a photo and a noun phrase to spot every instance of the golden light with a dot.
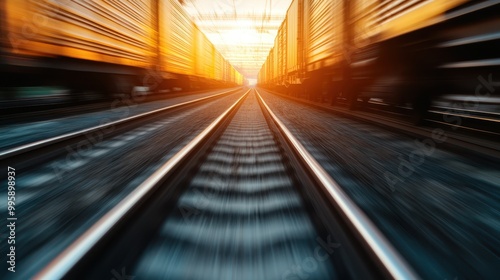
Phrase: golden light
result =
(243, 31)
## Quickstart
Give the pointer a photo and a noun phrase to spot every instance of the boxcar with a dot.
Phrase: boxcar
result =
(404, 52)
(100, 49)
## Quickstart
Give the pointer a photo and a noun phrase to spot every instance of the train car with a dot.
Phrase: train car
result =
(71, 44)
(188, 59)
(211, 69)
(323, 48)
(273, 67)
(266, 73)
(403, 52)
(424, 49)
(294, 45)
(227, 71)
(218, 66)
(177, 46)
(102, 49)
(282, 55)
(204, 60)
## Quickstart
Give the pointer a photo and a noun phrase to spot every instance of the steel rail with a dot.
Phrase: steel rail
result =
(67, 259)
(53, 140)
(387, 255)
(476, 147)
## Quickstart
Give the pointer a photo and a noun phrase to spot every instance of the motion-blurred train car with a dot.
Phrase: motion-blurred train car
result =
(97, 49)
(88, 48)
(308, 46)
(187, 59)
(401, 51)
(423, 49)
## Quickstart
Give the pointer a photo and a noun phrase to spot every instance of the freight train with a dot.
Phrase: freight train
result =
(100, 49)
(405, 52)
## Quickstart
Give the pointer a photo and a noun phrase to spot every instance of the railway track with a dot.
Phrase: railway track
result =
(20, 114)
(242, 200)
(41, 150)
(470, 132)
(62, 189)
(453, 115)
(470, 115)
(416, 210)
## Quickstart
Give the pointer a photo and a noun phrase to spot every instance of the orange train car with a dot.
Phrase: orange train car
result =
(97, 49)
(402, 51)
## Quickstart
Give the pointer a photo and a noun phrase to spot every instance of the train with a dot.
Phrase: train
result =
(403, 52)
(102, 49)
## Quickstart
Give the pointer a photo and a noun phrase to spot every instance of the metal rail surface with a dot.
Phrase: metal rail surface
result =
(378, 247)
(53, 140)
(393, 262)
(70, 256)
(456, 141)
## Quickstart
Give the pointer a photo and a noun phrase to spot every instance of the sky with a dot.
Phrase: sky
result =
(242, 30)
